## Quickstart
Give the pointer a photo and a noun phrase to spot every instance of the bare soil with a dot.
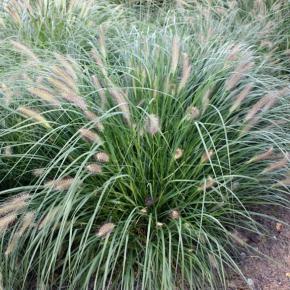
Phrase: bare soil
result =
(273, 271)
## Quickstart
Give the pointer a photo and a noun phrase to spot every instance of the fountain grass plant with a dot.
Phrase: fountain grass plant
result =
(141, 162)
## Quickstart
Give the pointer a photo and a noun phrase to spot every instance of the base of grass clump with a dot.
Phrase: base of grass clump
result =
(141, 164)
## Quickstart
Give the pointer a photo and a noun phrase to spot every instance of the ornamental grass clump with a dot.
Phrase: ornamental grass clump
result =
(141, 164)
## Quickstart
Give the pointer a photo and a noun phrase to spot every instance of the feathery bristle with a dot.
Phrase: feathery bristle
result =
(283, 182)
(7, 93)
(92, 117)
(90, 136)
(61, 184)
(178, 153)
(63, 87)
(242, 69)
(68, 64)
(63, 75)
(100, 90)
(213, 261)
(263, 156)
(120, 100)
(192, 113)
(207, 156)
(207, 184)
(175, 53)
(94, 168)
(44, 95)
(240, 97)
(263, 104)
(206, 100)
(102, 157)
(38, 172)
(233, 55)
(8, 151)
(26, 223)
(102, 42)
(152, 124)
(186, 70)
(276, 165)
(34, 115)
(105, 230)
(75, 100)
(22, 49)
(14, 204)
(6, 220)
(48, 217)
(98, 59)
(174, 214)
(239, 238)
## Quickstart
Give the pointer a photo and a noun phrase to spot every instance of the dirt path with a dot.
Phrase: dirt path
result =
(263, 273)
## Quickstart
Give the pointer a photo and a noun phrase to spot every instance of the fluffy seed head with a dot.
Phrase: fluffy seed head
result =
(105, 230)
(192, 113)
(207, 156)
(242, 69)
(90, 136)
(152, 124)
(100, 89)
(178, 153)
(44, 95)
(121, 101)
(14, 204)
(92, 117)
(48, 217)
(174, 214)
(276, 165)
(175, 53)
(34, 115)
(25, 224)
(263, 156)
(6, 220)
(240, 97)
(186, 70)
(263, 104)
(61, 184)
(8, 151)
(102, 157)
(38, 172)
(159, 224)
(94, 168)
(207, 184)
(24, 50)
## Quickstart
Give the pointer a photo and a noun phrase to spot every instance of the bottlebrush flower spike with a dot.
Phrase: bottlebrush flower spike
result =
(276, 165)
(14, 204)
(6, 220)
(44, 95)
(61, 184)
(102, 157)
(90, 136)
(186, 70)
(178, 153)
(94, 168)
(174, 214)
(242, 69)
(192, 113)
(35, 115)
(92, 117)
(241, 97)
(105, 230)
(175, 53)
(152, 124)
(207, 156)
(25, 224)
(24, 50)
(263, 156)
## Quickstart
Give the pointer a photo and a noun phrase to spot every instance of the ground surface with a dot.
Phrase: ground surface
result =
(272, 273)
